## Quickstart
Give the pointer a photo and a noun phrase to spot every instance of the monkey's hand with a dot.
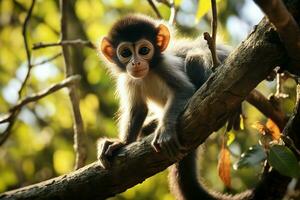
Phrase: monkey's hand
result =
(166, 140)
(105, 148)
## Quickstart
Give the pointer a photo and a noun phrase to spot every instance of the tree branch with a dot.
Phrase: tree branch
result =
(28, 53)
(37, 18)
(286, 26)
(79, 139)
(173, 13)
(153, 6)
(258, 100)
(77, 42)
(47, 60)
(13, 116)
(206, 112)
(9, 118)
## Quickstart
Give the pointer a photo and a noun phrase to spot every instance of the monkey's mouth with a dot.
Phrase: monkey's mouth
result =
(139, 72)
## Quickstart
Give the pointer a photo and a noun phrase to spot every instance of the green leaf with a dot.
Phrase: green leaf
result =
(203, 8)
(230, 138)
(242, 123)
(284, 161)
(253, 156)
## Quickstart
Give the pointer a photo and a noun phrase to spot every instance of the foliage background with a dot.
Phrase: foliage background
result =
(41, 143)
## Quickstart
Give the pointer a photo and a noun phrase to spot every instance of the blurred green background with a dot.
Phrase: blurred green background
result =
(41, 143)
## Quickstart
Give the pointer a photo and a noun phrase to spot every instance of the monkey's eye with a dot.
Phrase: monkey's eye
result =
(144, 50)
(125, 53)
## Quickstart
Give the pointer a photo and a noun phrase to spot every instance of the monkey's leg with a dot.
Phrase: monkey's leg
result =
(197, 68)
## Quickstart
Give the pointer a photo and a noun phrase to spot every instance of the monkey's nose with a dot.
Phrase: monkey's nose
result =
(136, 63)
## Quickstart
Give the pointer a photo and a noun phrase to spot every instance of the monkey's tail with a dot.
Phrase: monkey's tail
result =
(184, 183)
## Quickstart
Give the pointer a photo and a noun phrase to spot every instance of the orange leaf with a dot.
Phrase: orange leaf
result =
(262, 129)
(273, 129)
(224, 166)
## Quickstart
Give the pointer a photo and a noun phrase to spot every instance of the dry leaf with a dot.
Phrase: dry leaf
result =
(224, 166)
(262, 129)
(273, 129)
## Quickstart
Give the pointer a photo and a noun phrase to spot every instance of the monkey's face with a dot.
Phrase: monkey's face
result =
(136, 57)
(135, 44)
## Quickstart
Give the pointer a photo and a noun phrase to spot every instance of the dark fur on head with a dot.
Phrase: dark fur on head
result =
(132, 28)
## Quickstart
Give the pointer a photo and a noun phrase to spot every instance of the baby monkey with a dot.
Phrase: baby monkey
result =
(151, 69)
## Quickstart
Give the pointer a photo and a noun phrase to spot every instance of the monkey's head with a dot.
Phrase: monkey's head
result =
(135, 44)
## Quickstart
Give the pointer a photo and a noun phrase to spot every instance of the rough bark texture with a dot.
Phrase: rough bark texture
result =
(207, 111)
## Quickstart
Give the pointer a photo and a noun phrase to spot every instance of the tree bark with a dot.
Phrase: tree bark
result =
(206, 112)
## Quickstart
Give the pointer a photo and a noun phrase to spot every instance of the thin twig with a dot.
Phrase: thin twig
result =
(71, 80)
(28, 53)
(14, 111)
(79, 139)
(67, 82)
(11, 118)
(153, 6)
(291, 131)
(279, 93)
(170, 4)
(214, 23)
(64, 43)
(6, 133)
(47, 60)
(166, 2)
(173, 13)
(37, 18)
(211, 41)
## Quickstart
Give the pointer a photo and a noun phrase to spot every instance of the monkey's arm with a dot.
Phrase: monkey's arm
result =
(133, 113)
(132, 121)
(182, 89)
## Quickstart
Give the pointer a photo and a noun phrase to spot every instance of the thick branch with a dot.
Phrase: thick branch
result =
(286, 26)
(207, 111)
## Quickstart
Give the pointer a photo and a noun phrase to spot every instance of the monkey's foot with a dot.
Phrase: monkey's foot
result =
(168, 142)
(105, 149)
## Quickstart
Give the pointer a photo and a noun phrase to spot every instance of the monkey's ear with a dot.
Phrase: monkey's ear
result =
(107, 49)
(163, 37)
